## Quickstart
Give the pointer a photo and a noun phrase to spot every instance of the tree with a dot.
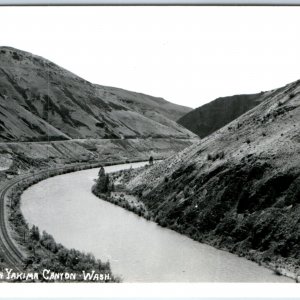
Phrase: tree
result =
(112, 187)
(151, 160)
(101, 172)
(35, 233)
(104, 184)
(101, 181)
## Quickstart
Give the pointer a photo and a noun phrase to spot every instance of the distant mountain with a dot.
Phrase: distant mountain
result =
(210, 117)
(40, 100)
(238, 188)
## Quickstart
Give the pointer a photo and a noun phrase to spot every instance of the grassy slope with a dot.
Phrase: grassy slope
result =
(40, 100)
(210, 117)
(145, 103)
(239, 188)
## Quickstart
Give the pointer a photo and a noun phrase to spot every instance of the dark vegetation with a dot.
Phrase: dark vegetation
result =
(215, 156)
(106, 189)
(151, 160)
(103, 185)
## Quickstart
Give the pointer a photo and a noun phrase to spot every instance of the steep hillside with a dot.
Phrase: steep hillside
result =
(41, 101)
(210, 117)
(239, 188)
(145, 104)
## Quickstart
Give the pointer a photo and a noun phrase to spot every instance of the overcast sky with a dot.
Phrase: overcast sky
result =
(188, 55)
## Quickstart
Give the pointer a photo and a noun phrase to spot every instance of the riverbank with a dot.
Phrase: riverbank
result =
(119, 196)
(138, 250)
(40, 250)
(123, 197)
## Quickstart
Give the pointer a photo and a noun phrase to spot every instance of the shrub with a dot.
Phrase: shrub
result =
(218, 155)
(221, 154)
(277, 272)
(16, 56)
(292, 95)
(35, 233)
(151, 160)
(104, 184)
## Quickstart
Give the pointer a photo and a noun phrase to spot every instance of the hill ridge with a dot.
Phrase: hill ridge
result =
(73, 107)
(211, 116)
(238, 188)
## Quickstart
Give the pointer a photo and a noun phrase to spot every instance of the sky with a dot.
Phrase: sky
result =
(187, 55)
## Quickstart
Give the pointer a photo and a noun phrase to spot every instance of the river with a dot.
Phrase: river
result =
(138, 250)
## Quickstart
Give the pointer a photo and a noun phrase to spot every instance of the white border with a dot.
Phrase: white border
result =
(150, 2)
(142, 290)
(158, 290)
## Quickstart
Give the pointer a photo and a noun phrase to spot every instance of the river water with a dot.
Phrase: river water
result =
(138, 250)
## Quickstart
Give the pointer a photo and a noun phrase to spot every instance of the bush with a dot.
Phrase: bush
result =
(221, 154)
(218, 155)
(277, 272)
(292, 95)
(35, 233)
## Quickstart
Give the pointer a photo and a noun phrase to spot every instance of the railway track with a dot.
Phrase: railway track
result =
(12, 255)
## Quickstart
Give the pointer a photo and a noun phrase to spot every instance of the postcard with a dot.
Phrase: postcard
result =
(149, 144)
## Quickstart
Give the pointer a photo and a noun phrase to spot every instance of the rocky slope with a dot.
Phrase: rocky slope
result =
(42, 101)
(210, 117)
(145, 104)
(239, 188)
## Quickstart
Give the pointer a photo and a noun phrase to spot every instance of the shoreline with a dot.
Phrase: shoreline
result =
(17, 227)
(147, 215)
(276, 266)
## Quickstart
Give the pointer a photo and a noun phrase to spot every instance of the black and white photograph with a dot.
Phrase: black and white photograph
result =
(149, 144)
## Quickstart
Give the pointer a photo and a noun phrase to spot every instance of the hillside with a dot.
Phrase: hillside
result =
(41, 101)
(20, 157)
(210, 117)
(146, 104)
(239, 188)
